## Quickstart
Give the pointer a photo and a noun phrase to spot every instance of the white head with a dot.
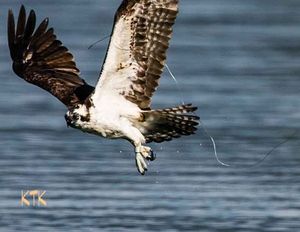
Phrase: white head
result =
(78, 116)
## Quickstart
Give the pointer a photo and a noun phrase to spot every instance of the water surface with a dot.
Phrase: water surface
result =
(238, 60)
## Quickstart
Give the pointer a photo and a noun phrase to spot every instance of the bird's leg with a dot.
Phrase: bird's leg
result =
(142, 153)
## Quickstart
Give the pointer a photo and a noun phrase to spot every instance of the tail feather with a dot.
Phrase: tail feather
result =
(165, 124)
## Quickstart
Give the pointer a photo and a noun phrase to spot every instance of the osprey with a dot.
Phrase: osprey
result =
(119, 105)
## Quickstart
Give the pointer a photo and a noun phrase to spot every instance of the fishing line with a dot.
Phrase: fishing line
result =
(98, 41)
(214, 143)
(176, 82)
(201, 123)
(104, 38)
(215, 147)
(274, 149)
(204, 127)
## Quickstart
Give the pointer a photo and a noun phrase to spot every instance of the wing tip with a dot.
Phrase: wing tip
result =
(10, 11)
(11, 34)
(22, 8)
(21, 20)
(32, 14)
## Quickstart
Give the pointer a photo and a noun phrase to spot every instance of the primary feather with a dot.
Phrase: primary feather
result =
(41, 59)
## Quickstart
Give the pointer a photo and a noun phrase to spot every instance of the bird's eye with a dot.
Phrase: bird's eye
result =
(76, 116)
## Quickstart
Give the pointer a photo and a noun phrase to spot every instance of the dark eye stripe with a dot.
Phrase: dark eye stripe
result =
(85, 119)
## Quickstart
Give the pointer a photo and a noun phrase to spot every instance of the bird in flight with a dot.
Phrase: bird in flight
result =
(120, 104)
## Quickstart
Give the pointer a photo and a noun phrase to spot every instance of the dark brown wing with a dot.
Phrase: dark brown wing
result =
(137, 50)
(39, 58)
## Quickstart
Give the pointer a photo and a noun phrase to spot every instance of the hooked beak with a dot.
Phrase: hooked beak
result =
(68, 120)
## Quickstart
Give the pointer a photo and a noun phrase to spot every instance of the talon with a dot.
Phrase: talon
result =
(140, 163)
(152, 156)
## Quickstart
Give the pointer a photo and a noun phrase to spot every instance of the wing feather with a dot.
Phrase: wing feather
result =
(41, 59)
(137, 52)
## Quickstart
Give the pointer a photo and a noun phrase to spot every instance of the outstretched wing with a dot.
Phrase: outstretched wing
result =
(137, 52)
(39, 58)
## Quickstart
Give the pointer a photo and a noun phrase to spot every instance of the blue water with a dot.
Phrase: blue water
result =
(237, 60)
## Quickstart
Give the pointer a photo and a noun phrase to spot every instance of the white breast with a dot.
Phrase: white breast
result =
(111, 117)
